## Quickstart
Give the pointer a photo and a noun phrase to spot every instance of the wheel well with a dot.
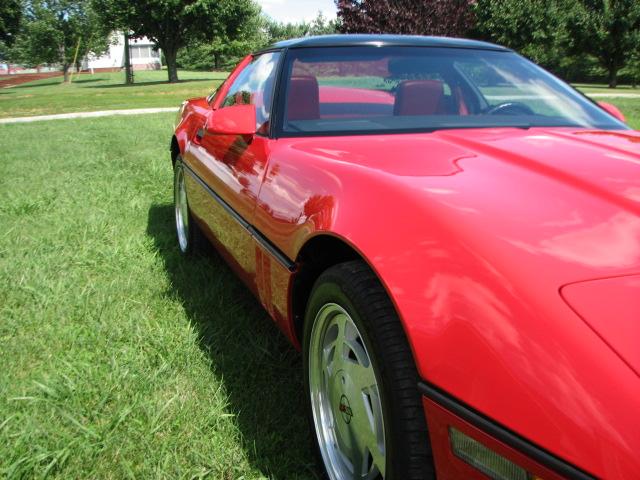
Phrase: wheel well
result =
(317, 255)
(175, 150)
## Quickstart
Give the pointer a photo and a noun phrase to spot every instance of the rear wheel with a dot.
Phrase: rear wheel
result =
(365, 409)
(187, 230)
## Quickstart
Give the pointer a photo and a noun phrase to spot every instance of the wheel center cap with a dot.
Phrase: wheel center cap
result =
(345, 409)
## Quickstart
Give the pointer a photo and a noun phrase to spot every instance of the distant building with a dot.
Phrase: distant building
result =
(142, 54)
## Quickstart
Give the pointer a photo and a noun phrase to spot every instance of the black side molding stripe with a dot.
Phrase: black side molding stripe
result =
(275, 252)
(501, 433)
(264, 242)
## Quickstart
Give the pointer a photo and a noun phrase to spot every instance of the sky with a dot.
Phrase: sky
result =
(294, 11)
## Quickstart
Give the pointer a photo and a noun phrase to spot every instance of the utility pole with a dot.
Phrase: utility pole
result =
(127, 60)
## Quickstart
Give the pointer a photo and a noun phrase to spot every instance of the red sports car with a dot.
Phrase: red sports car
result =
(449, 233)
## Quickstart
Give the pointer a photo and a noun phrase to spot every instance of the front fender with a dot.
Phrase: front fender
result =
(479, 304)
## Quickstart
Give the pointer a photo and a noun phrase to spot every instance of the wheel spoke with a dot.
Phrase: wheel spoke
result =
(361, 376)
(335, 355)
(368, 423)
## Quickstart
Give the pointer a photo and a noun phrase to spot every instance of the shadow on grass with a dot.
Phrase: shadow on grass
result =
(155, 82)
(88, 80)
(262, 373)
(41, 83)
(591, 86)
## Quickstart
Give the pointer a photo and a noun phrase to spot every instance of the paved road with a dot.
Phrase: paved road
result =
(102, 113)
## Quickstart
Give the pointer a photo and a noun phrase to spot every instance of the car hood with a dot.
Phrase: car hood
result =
(570, 195)
(601, 163)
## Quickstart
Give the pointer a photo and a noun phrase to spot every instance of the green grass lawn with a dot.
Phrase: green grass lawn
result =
(630, 107)
(603, 88)
(104, 91)
(121, 359)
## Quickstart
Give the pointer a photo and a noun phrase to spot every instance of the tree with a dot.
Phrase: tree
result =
(10, 15)
(54, 31)
(256, 33)
(632, 69)
(608, 30)
(320, 25)
(174, 24)
(537, 29)
(418, 17)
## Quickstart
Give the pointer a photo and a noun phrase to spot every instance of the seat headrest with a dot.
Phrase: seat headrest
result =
(418, 97)
(303, 102)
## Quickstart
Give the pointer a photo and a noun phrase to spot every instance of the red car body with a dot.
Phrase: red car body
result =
(512, 257)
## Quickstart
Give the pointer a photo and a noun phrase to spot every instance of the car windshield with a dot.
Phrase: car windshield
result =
(348, 90)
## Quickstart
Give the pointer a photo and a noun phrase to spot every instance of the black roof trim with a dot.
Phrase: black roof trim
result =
(353, 40)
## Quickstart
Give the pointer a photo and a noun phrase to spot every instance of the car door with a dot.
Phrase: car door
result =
(227, 170)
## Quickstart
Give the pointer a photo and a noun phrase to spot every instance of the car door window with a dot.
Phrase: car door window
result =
(254, 86)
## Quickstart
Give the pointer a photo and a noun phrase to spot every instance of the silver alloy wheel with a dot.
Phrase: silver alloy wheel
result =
(345, 398)
(181, 208)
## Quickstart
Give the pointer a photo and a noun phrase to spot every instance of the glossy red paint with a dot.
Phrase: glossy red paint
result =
(330, 94)
(613, 110)
(474, 234)
(611, 307)
(236, 120)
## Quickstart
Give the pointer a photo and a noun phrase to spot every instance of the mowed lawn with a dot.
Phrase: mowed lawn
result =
(105, 91)
(630, 107)
(119, 358)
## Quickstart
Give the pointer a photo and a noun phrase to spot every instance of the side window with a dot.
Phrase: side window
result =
(254, 86)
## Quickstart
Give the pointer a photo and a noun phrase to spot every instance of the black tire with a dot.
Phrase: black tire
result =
(354, 287)
(193, 239)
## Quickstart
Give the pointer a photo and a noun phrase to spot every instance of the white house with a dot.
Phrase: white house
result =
(142, 56)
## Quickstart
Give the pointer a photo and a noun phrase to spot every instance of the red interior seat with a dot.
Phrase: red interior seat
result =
(418, 97)
(303, 102)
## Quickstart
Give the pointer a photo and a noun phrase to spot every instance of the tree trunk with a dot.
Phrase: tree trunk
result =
(65, 71)
(216, 61)
(170, 56)
(613, 77)
(128, 71)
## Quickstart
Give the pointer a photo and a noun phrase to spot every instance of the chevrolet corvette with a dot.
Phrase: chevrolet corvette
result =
(449, 234)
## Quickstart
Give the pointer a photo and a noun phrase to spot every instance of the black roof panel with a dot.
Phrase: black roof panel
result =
(384, 40)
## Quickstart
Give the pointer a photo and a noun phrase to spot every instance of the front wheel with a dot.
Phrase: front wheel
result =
(361, 381)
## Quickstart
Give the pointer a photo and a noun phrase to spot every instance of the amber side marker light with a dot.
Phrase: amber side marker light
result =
(482, 458)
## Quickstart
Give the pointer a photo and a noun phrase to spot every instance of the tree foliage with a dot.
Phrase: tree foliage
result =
(607, 29)
(222, 52)
(534, 28)
(417, 17)
(258, 32)
(320, 25)
(58, 31)
(174, 24)
(10, 15)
